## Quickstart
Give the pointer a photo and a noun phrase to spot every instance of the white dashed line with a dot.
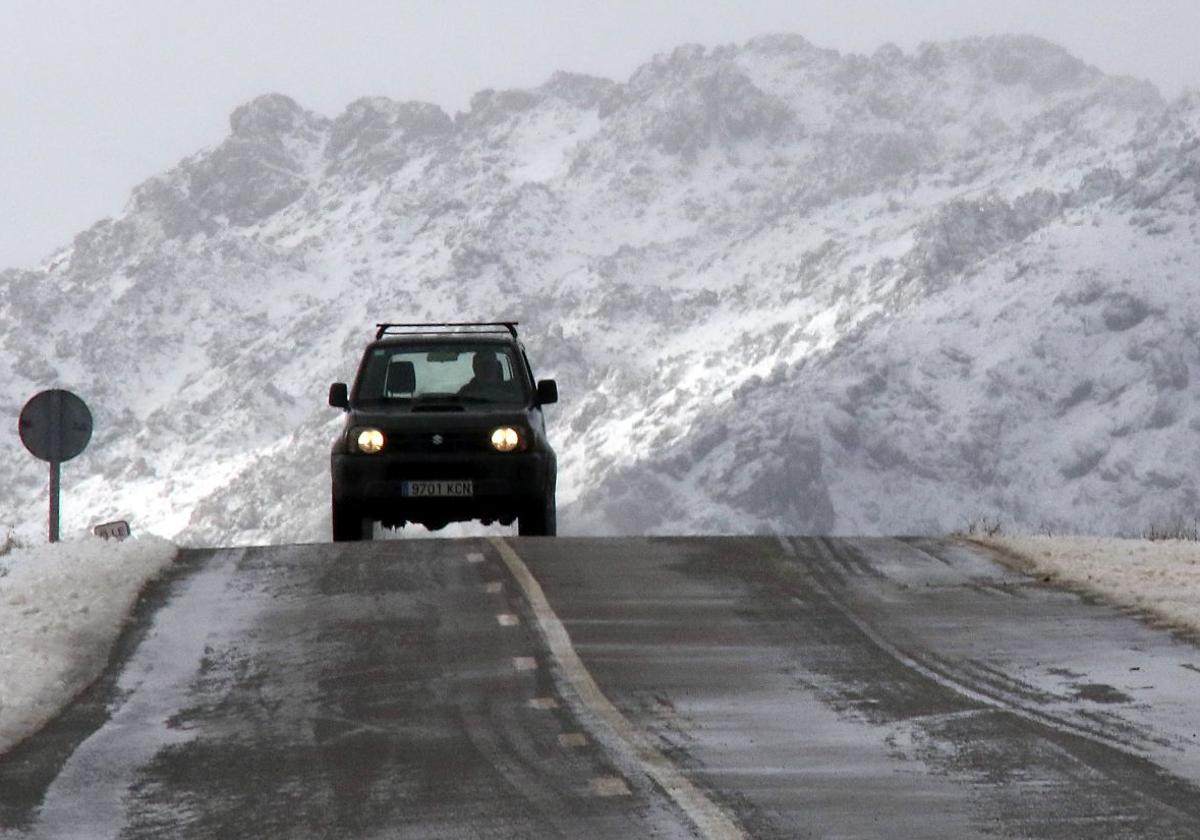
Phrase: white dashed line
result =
(632, 747)
(474, 557)
(572, 740)
(494, 588)
(524, 663)
(507, 620)
(609, 786)
(543, 704)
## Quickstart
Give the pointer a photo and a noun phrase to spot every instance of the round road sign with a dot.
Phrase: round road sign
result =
(55, 425)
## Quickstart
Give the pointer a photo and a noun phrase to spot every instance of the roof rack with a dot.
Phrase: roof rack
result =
(447, 327)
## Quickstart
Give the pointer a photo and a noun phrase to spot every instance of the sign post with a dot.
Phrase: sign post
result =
(55, 426)
(55, 494)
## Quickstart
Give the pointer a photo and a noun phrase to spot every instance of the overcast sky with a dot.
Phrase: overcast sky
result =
(96, 97)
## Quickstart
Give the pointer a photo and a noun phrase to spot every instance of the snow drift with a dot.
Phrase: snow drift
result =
(62, 607)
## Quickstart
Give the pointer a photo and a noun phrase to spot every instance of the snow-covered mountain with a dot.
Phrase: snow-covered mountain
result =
(781, 289)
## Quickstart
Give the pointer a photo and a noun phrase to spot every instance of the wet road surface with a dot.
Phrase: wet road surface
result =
(703, 687)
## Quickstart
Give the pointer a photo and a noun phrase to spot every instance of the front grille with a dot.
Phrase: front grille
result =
(450, 443)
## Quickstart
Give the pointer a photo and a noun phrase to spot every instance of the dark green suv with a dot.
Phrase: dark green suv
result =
(443, 424)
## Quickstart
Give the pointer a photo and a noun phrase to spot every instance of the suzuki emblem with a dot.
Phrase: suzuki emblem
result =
(438, 440)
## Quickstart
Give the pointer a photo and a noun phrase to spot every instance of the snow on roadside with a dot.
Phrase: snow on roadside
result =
(62, 607)
(1161, 577)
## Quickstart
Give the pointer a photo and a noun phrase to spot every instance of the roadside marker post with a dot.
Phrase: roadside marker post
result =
(55, 426)
(118, 530)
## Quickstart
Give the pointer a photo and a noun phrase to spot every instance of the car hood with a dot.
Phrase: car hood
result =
(400, 420)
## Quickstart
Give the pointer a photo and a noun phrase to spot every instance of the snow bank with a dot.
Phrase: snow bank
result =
(61, 609)
(1161, 578)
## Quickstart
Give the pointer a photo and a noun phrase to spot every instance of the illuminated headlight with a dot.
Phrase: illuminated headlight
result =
(369, 440)
(506, 439)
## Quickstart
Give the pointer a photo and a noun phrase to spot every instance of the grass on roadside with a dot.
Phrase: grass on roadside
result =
(984, 525)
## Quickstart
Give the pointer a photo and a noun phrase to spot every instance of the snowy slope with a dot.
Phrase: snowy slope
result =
(781, 288)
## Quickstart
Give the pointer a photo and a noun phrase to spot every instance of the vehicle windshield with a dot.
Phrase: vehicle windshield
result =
(466, 373)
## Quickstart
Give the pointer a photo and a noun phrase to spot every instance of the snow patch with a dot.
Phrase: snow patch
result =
(62, 607)
(1161, 577)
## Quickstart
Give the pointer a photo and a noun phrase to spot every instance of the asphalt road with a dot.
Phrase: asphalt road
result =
(658, 688)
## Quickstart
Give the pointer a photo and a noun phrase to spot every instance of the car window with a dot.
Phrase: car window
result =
(468, 373)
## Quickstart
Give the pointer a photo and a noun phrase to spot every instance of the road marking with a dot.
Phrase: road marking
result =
(507, 620)
(572, 740)
(630, 744)
(609, 786)
(524, 663)
(494, 588)
(544, 704)
(474, 557)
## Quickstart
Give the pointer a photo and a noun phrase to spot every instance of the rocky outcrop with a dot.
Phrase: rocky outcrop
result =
(783, 289)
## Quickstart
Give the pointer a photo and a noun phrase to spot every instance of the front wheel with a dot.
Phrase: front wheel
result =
(540, 519)
(349, 525)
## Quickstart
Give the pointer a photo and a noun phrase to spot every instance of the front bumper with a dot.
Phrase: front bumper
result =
(503, 484)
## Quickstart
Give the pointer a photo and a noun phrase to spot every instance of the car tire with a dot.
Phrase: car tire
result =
(540, 519)
(349, 524)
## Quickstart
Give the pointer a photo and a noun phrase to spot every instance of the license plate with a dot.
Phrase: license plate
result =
(421, 489)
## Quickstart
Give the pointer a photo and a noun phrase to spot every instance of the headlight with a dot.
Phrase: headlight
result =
(506, 439)
(369, 441)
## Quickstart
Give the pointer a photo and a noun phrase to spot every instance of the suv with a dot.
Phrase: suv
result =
(444, 424)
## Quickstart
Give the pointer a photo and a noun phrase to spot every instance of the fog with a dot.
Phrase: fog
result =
(96, 98)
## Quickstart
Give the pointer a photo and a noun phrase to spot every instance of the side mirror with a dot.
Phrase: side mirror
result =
(547, 392)
(339, 395)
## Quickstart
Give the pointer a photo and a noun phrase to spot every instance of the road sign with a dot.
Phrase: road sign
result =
(117, 530)
(55, 426)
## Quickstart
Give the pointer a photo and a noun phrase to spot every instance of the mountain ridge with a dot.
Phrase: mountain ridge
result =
(730, 234)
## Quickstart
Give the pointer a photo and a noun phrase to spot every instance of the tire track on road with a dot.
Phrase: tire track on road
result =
(983, 692)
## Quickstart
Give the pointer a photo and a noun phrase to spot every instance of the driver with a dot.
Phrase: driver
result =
(488, 382)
